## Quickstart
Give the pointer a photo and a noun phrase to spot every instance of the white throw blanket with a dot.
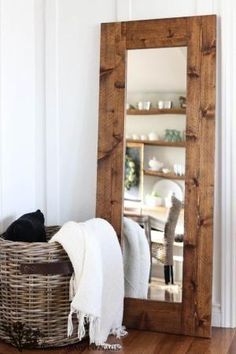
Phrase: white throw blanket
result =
(136, 256)
(98, 279)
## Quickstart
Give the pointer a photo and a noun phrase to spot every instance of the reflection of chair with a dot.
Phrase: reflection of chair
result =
(164, 253)
(144, 221)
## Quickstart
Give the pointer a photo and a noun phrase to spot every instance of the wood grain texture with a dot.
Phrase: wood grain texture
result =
(206, 196)
(220, 343)
(140, 342)
(157, 33)
(111, 124)
(197, 284)
(232, 348)
(198, 34)
(192, 181)
(152, 315)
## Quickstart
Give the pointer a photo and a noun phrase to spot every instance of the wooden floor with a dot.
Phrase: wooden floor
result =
(159, 291)
(139, 342)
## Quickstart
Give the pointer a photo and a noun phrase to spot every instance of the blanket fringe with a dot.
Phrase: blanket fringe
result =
(107, 346)
(94, 328)
(72, 287)
(92, 321)
(81, 322)
(70, 325)
(119, 332)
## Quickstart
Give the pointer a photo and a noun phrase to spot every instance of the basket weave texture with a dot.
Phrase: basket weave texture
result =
(39, 301)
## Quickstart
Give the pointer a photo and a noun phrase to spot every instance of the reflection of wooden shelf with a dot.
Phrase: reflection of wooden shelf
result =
(158, 142)
(163, 175)
(139, 112)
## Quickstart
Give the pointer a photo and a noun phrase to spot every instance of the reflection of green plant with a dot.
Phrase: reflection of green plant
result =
(131, 177)
(22, 336)
(155, 194)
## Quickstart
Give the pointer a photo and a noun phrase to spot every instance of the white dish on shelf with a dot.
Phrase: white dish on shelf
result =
(165, 170)
(165, 188)
(153, 136)
(154, 169)
(154, 164)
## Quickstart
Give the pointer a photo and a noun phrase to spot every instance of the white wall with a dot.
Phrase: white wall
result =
(17, 109)
(49, 106)
(49, 59)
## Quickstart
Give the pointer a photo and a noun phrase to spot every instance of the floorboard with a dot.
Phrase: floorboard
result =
(232, 348)
(223, 341)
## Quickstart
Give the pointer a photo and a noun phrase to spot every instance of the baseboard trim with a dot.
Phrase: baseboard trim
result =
(216, 315)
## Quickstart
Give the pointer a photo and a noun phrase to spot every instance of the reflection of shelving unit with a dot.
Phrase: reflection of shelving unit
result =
(163, 175)
(158, 142)
(142, 112)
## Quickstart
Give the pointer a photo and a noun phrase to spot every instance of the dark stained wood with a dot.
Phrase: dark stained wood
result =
(138, 112)
(149, 314)
(192, 175)
(157, 33)
(111, 124)
(163, 175)
(206, 188)
(220, 343)
(158, 142)
(193, 315)
(200, 181)
(232, 348)
(140, 342)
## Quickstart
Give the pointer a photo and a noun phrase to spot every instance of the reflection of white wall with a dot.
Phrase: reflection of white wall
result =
(157, 70)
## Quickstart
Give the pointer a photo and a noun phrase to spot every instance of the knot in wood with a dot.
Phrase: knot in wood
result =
(208, 111)
(193, 73)
(119, 84)
(209, 49)
(195, 182)
(191, 135)
(170, 33)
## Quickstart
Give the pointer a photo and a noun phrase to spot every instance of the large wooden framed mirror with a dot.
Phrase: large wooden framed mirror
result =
(156, 162)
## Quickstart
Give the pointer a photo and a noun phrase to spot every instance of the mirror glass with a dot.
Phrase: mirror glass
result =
(154, 177)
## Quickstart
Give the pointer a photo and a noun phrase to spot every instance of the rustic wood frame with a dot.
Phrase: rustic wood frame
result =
(193, 315)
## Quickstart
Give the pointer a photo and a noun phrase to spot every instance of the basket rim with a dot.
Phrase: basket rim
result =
(30, 244)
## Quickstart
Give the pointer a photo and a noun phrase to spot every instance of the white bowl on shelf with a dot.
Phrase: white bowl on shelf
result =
(135, 136)
(143, 137)
(153, 136)
(165, 170)
(155, 165)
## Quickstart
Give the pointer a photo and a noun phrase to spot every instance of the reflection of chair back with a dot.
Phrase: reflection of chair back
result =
(169, 236)
(144, 221)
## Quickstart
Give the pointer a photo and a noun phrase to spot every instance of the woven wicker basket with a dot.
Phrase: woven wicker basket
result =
(34, 289)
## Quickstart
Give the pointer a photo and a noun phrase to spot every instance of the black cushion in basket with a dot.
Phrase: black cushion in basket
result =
(28, 228)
